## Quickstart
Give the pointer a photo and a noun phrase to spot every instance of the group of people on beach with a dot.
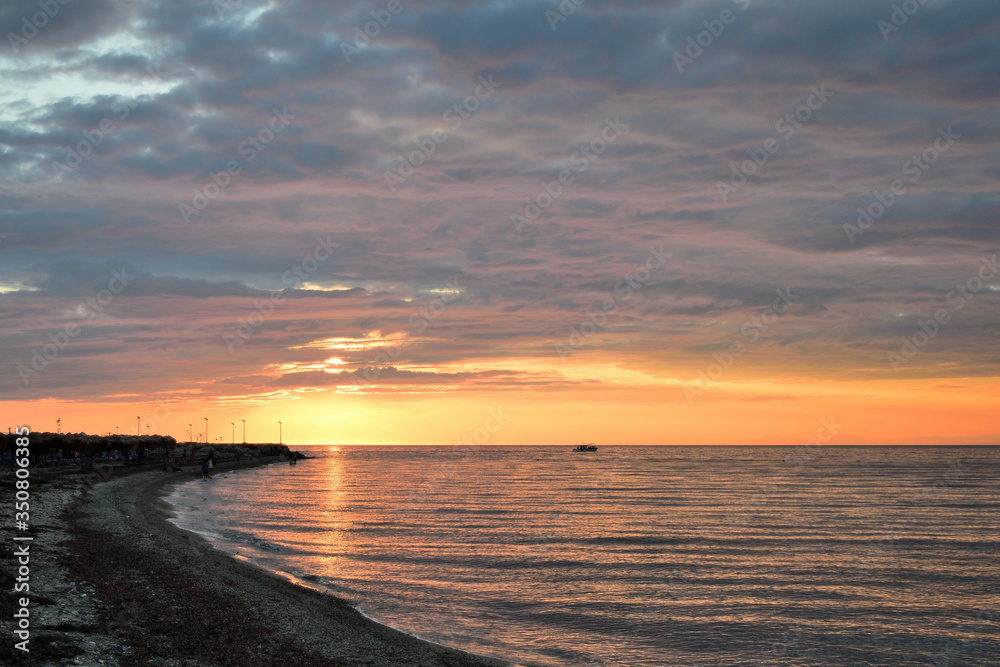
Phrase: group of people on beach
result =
(208, 465)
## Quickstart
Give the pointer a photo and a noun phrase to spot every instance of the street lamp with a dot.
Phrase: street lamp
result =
(206, 430)
(190, 433)
(138, 428)
(116, 430)
(234, 432)
(244, 431)
(279, 432)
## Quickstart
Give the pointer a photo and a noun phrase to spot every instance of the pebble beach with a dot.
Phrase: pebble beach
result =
(113, 582)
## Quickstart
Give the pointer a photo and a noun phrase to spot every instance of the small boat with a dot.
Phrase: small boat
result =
(586, 447)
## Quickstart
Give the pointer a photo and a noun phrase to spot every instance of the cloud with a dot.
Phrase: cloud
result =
(219, 79)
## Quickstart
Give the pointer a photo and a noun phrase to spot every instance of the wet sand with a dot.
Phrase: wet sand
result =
(114, 583)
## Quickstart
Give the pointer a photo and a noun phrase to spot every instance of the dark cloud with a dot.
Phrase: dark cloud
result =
(189, 91)
(59, 26)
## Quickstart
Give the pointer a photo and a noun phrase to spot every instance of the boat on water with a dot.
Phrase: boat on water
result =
(586, 447)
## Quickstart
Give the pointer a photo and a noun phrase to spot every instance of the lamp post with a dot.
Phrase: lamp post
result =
(234, 431)
(138, 427)
(190, 433)
(116, 431)
(244, 431)
(206, 430)
(279, 432)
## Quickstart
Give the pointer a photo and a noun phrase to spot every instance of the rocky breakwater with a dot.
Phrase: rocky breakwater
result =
(84, 449)
(59, 448)
(196, 453)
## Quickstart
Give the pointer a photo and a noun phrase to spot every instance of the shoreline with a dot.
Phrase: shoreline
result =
(119, 584)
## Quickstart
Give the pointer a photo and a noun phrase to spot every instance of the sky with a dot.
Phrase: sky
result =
(502, 223)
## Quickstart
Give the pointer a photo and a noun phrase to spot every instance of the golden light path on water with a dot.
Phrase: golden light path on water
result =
(639, 556)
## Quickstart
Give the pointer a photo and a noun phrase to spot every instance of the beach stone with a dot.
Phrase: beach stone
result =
(127, 510)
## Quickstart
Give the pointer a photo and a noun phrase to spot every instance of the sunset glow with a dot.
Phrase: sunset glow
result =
(484, 211)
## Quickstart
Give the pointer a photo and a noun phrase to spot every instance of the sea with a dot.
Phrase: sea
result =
(638, 556)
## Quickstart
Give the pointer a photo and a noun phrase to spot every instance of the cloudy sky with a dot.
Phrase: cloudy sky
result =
(509, 222)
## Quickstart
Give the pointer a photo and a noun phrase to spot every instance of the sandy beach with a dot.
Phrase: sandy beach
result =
(114, 583)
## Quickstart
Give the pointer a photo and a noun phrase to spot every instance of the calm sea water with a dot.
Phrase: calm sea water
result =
(639, 556)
